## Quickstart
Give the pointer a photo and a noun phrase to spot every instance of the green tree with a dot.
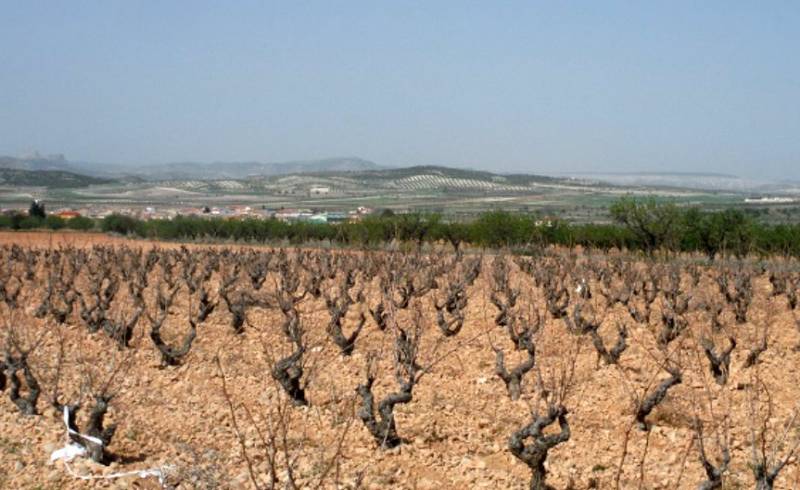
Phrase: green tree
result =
(16, 220)
(654, 225)
(733, 230)
(30, 223)
(54, 222)
(37, 209)
(503, 229)
(80, 223)
(728, 231)
(416, 227)
(124, 225)
(454, 233)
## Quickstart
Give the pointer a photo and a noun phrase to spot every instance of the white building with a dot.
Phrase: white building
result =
(319, 190)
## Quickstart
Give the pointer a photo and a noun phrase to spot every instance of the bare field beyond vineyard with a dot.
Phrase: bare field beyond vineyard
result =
(231, 367)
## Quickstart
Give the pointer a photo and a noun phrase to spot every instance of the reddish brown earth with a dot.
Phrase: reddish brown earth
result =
(457, 426)
(77, 239)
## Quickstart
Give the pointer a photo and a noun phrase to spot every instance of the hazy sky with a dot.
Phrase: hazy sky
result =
(507, 86)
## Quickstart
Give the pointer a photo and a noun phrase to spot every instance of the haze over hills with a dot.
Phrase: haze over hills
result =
(241, 170)
(47, 178)
(347, 184)
(688, 180)
(35, 161)
(350, 173)
(79, 174)
(383, 173)
(185, 170)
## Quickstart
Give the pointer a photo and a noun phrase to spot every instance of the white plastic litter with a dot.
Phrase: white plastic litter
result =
(76, 433)
(159, 473)
(68, 453)
(74, 450)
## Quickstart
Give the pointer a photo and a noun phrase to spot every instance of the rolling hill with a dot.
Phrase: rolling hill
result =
(47, 178)
(243, 170)
(185, 170)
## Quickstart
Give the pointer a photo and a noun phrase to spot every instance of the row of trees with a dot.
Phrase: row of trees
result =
(657, 226)
(495, 229)
(637, 225)
(37, 218)
(643, 225)
(21, 222)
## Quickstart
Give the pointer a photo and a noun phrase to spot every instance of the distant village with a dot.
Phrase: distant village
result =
(290, 215)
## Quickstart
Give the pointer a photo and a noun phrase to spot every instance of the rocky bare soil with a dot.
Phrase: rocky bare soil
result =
(218, 418)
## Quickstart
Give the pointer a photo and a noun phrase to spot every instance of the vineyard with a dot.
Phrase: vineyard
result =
(129, 365)
(427, 182)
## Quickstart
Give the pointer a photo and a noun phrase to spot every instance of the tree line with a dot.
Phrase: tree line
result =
(637, 225)
(37, 218)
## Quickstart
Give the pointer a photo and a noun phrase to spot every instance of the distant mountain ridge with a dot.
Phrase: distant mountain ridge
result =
(242, 170)
(187, 170)
(684, 180)
(360, 169)
(440, 171)
(47, 178)
(36, 162)
(659, 174)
